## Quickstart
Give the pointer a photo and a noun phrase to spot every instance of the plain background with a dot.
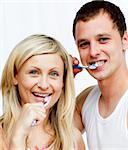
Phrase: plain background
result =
(21, 18)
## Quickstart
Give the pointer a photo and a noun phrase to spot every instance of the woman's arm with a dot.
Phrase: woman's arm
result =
(3, 140)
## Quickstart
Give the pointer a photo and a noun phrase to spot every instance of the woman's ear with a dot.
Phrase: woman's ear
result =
(15, 81)
(125, 41)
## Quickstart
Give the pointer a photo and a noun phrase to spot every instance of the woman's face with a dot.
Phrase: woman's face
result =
(40, 79)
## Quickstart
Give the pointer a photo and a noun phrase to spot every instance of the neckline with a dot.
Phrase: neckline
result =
(105, 120)
(50, 146)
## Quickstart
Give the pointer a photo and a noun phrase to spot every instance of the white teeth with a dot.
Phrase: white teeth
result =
(40, 94)
(99, 63)
(45, 98)
(96, 64)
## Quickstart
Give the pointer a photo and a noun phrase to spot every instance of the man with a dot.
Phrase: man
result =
(99, 30)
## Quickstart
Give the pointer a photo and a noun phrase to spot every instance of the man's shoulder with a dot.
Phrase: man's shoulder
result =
(79, 104)
(82, 97)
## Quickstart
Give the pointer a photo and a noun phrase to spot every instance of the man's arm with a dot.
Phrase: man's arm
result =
(79, 104)
(79, 142)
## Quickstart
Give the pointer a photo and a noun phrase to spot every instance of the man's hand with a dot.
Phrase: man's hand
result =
(75, 61)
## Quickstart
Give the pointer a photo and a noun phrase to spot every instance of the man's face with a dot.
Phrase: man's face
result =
(99, 42)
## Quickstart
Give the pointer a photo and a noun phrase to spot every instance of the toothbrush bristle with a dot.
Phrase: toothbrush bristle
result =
(93, 66)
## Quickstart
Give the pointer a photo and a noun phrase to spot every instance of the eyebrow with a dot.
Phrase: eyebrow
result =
(53, 68)
(81, 40)
(103, 34)
(34, 67)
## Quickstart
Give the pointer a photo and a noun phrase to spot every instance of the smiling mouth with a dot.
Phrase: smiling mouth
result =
(45, 98)
(98, 63)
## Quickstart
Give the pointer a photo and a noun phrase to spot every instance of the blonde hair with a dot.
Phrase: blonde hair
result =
(61, 115)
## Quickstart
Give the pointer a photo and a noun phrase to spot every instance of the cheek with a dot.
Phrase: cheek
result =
(83, 56)
(24, 88)
(25, 84)
(58, 87)
(116, 55)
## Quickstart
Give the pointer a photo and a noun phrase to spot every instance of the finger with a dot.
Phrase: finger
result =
(33, 106)
(30, 112)
(39, 119)
(76, 71)
(74, 60)
(40, 113)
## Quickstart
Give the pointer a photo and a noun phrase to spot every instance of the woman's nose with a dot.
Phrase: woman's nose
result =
(43, 83)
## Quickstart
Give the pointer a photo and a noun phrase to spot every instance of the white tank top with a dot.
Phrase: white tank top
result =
(110, 133)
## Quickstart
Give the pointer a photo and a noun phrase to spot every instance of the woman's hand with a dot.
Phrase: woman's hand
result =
(30, 112)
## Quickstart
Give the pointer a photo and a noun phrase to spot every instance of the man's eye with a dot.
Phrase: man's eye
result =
(54, 74)
(103, 40)
(83, 44)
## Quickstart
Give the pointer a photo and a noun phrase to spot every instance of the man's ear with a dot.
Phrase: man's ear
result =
(125, 41)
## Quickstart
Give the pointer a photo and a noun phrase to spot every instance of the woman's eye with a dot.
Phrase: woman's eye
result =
(54, 74)
(33, 72)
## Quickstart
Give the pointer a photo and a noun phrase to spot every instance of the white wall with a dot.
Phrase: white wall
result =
(53, 17)
(22, 18)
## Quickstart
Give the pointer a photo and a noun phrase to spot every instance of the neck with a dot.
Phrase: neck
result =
(114, 86)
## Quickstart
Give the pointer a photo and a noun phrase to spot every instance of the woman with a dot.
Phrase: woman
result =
(37, 88)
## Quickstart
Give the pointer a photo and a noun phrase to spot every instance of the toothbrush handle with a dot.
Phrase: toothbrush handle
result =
(77, 67)
(34, 122)
(80, 67)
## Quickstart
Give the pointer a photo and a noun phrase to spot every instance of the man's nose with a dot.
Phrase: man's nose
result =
(94, 49)
(43, 83)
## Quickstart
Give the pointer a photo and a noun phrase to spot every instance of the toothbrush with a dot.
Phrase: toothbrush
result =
(47, 99)
(92, 67)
